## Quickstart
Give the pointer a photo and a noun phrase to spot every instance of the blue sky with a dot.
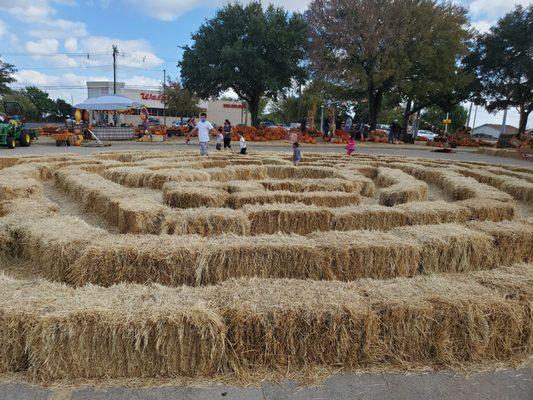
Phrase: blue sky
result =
(48, 40)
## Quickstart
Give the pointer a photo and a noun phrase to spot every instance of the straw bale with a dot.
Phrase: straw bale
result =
(237, 173)
(205, 222)
(192, 197)
(513, 240)
(140, 215)
(514, 282)
(13, 186)
(168, 260)
(441, 320)
(268, 326)
(518, 188)
(326, 199)
(516, 174)
(127, 176)
(287, 172)
(366, 254)
(242, 186)
(312, 185)
(127, 331)
(450, 247)
(370, 216)
(6, 162)
(21, 303)
(278, 256)
(288, 218)
(399, 187)
(486, 209)
(54, 243)
(434, 212)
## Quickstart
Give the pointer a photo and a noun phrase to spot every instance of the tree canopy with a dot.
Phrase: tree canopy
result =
(373, 47)
(433, 116)
(179, 100)
(6, 76)
(503, 62)
(40, 99)
(255, 52)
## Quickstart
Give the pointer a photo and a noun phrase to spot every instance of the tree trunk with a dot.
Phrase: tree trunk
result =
(375, 98)
(524, 114)
(406, 115)
(253, 107)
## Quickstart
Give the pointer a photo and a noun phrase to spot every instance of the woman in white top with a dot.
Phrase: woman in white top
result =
(204, 128)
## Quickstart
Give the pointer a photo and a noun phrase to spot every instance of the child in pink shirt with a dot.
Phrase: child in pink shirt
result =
(350, 147)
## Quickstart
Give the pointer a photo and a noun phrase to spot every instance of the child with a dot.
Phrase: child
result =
(296, 153)
(220, 137)
(350, 147)
(242, 143)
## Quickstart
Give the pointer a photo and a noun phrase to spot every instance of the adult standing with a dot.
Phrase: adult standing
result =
(348, 125)
(227, 135)
(204, 128)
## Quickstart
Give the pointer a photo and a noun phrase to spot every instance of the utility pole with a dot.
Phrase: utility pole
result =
(474, 122)
(446, 125)
(115, 52)
(164, 97)
(322, 118)
(502, 132)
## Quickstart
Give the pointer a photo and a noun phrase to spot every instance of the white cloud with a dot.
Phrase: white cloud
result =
(494, 8)
(140, 81)
(58, 28)
(71, 44)
(483, 26)
(3, 28)
(28, 10)
(42, 47)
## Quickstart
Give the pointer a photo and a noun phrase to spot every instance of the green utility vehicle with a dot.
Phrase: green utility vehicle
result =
(12, 129)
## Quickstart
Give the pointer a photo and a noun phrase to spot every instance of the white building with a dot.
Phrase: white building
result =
(493, 130)
(217, 110)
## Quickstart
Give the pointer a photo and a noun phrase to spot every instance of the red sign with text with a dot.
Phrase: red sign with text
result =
(151, 96)
(228, 105)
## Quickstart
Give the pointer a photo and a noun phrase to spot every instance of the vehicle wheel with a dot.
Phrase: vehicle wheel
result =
(25, 139)
(58, 143)
(11, 142)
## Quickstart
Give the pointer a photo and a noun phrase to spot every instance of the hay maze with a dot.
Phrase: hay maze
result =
(164, 264)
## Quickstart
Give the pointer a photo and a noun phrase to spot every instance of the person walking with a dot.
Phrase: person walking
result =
(227, 135)
(296, 154)
(204, 128)
(242, 143)
(220, 138)
(392, 132)
(350, 147)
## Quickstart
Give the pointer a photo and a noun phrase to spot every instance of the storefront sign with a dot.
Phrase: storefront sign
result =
(233, 105)
(151, 96)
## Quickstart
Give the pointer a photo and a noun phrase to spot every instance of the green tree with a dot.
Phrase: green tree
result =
(435, 70)
(253, 51)
(503, 62)
(29, 111)
(433, 116)
(63, 109)
(40, 99)
(180, 100)
(6, 76)
(374, 46)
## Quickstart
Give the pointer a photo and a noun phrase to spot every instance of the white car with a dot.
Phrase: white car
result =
(427, 134)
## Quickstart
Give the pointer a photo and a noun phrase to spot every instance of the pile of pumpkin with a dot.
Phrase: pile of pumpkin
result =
(254, 134)
(378, 137)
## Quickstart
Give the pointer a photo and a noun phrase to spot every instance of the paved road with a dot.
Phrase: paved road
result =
(46, 146)
(502, 385)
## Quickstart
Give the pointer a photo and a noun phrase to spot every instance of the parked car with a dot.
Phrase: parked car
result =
(267, 124)
(295, 125)
(427, 134)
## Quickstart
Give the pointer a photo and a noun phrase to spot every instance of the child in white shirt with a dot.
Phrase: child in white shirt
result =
(242, 143)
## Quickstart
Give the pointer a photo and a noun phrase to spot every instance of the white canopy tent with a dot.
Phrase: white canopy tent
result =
(108, 103)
